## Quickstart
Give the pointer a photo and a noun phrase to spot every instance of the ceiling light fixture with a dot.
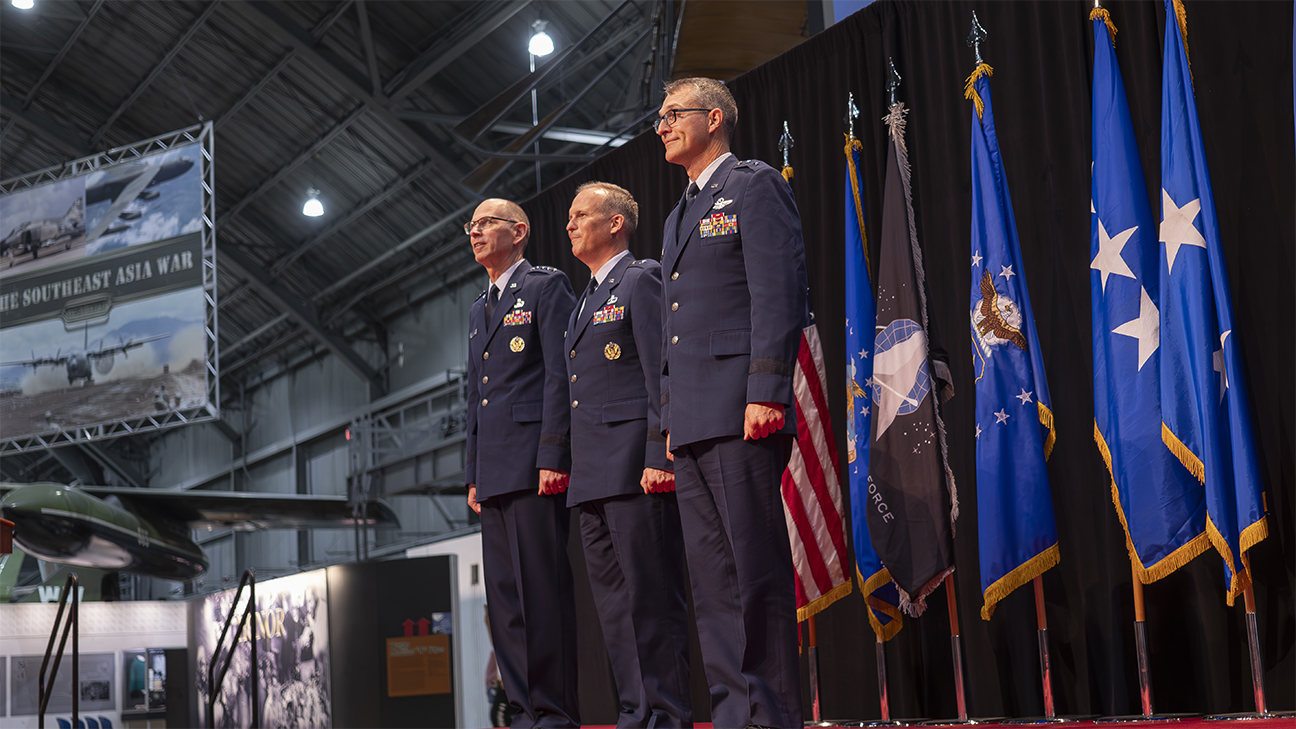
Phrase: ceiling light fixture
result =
(541, 44)
(23, 4)
(313, 207)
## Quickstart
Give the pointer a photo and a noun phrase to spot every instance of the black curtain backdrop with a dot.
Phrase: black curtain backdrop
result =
(1042, 53)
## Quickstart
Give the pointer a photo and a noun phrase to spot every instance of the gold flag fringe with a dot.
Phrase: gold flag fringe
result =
(1027, 571)
(853, 144)
(969, 86)
(787, 173)
(867, 587)
(1168, 564)
(1249, 537)
(1182, 16)
(1097, 13)
(818, 604)
(1185, 456)
(1046, 419)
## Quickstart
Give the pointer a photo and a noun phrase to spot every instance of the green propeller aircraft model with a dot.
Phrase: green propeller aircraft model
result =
(148, 531)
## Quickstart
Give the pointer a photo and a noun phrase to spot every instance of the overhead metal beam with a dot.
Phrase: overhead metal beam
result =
(157, 71)
(366, 40)
(256, 88)
(74, 462)
(303, 313)
(253, 335)
(594, 137)
(67, 46)
(270, 19)
(109, 462)
(324, 25)
(437, 58)
(413, 173)
(233, 436)
(292, 164)
(51, 131)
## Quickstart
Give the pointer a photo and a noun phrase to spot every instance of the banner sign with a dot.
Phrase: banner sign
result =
(108, 295)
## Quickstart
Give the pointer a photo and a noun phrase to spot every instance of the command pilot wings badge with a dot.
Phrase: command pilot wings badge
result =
(721, 203)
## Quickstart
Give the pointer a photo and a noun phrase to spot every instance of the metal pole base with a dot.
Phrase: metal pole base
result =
(963, 722)
(1131, 718)
(1252, 716)
(1042, 720)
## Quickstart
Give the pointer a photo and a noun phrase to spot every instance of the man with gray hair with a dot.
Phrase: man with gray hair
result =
(621, 478)
(517, 466)
(733, 305)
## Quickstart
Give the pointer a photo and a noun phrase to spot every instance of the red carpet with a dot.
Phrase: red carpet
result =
(1186, 723)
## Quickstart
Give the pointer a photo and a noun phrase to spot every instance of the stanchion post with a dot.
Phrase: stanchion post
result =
(956, 647)
(1041, 622)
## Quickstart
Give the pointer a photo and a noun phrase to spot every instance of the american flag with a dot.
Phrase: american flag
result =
(812, 498)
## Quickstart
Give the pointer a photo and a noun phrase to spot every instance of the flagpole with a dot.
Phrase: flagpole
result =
(1253, 643)
(1041, 620)
(1140, 643)
(884, 703)
(815, 716)
(956, 645)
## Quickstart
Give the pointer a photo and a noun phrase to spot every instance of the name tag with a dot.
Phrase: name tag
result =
(607, 314)
(515, 318)
(718, 224)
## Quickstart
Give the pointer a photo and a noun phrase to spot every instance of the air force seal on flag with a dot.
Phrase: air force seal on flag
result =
(718, 224)
(996, 320)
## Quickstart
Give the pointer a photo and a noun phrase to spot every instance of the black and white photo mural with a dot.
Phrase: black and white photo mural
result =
(291, 623)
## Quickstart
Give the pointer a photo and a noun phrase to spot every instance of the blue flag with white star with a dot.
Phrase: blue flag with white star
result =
(1205, 410)
(861, 315)
(1014, 417)
(1160, 505)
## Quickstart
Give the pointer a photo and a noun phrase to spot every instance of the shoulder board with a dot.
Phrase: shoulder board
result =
(752, 163)
(548, 269)
(482, 295)
(643, 262)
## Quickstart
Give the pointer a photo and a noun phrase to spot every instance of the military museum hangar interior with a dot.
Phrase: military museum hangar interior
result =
(313, 433)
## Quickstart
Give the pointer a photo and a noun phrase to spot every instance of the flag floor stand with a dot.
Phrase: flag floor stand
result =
(1144, 672)
(1046, 675)
(1257, 673)
(818, 720)
(956, 648)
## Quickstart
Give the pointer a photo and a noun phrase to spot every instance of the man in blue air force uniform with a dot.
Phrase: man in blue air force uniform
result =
(518, 464)
(621, 478)
(733, 306)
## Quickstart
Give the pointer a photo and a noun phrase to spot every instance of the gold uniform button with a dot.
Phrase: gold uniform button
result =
(485, 355)
(675, 275)
(675, 339)
(573, 378)
(675, 306)
(485, 379)
(575, 403)
(573, 354)
(484, 401)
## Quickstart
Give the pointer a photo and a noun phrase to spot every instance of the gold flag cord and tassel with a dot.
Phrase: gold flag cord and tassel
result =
(1102, 13)
(969, 86)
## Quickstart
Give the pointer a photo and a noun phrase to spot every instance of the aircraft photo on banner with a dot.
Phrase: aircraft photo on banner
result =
(107, 294)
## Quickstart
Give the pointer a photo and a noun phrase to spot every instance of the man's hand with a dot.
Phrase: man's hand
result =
(553, 482)
(657, 481)
(669, 456)
(472, 498)
(762, 419)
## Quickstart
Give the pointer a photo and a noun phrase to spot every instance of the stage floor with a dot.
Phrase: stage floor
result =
(1278, 722)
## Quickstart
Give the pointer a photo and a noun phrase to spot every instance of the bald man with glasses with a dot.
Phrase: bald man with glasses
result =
(518, 464)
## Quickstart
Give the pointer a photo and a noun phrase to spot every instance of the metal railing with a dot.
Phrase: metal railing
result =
(45, 689)
(214, 683)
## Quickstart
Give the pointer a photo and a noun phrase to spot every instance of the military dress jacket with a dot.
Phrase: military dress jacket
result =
(733, 302)
(517, 383)
(614, 377)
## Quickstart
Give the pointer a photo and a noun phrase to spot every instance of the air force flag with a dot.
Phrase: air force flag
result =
(1160, 504)
(1205, 411)
(1014, 418)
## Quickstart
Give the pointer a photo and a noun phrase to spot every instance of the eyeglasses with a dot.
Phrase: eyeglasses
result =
(480, 223)
(671, 117)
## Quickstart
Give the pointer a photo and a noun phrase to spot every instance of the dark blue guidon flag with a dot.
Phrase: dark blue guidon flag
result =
(875, 581)
(1160, 505)
(1014, 418)
(1205, 411)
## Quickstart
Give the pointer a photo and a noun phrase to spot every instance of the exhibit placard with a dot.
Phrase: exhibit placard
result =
(418, 665)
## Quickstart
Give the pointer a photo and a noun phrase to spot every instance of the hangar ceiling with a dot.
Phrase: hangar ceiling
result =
(402, 113)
